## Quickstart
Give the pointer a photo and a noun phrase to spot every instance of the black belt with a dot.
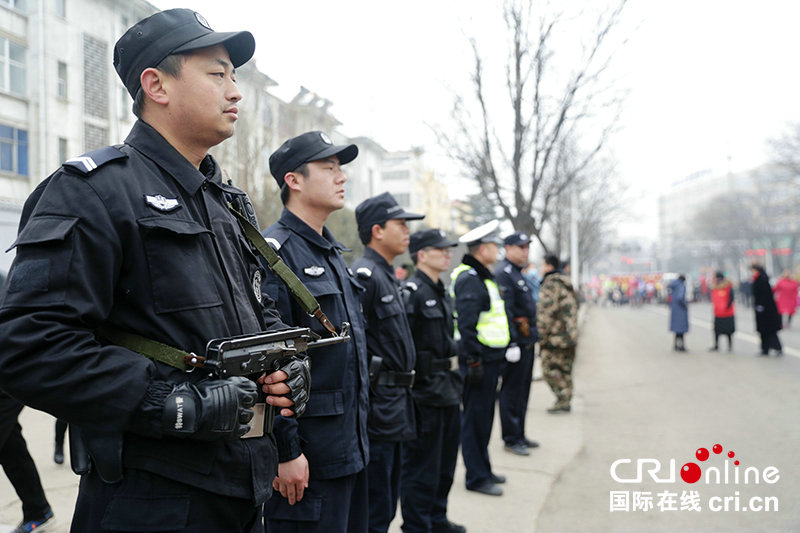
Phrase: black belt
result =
(450, 363)
(396, 379)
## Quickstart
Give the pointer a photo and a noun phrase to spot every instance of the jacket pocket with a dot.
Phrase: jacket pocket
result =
(178, 251)
(130, 513)
(40, 273)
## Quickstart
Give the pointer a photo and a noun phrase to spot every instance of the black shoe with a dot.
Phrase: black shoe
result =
(713, 349)
(58, 455)
(488, 488)
(530, 443)
(518, 448)
(448, 527)
(499, 479)
(779, 353)
(762, 354)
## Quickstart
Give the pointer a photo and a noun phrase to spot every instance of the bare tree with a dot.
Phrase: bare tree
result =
(559, 122)
(786, 152)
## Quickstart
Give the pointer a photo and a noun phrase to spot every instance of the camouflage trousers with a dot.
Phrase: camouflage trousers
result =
(557, 371)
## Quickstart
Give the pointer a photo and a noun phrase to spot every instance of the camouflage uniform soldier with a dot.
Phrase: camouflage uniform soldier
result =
(557, 320)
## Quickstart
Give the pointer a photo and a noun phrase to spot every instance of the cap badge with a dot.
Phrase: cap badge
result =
(314, 271)
(202, 20)
(430, 303)
(390, 210)
(388, 298)
(257, 285)
(325, 138)
(162, 204)
(523, 236)
(442, 233)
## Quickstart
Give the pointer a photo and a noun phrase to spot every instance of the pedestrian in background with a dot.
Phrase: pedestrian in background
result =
(383, 229)
(785, 292)
(557, 321)
(768, 321)
(483, 327)
(322, 481)
(722, 301)
(518, 372)
(679, 312)
(20, 468)
(430, 461)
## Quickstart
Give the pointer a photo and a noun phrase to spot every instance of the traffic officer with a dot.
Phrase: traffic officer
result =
(483, 326)
(383, 229)
(321, 483)
(139, 238)
(430, 460)
(518, 373)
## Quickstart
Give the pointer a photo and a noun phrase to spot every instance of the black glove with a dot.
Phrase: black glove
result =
(299, 383)
(210, 410)
(474, 371)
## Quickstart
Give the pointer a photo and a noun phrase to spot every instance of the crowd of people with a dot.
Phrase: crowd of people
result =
(773, 306)
(131, 258)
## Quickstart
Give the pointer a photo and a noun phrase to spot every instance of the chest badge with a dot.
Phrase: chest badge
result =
(314, 271)
(257, 285)
(388, 298)
(430, 303)
(161, 203)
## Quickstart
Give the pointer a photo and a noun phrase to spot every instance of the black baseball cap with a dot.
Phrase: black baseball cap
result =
(150, 40)
(379, 209)
(429, 237)
(518, 238)
(307, 147)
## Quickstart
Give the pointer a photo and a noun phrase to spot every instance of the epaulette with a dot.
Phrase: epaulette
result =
(276, 236)
(91, 161)
(410, 285)
(507, 269)
(364, 273)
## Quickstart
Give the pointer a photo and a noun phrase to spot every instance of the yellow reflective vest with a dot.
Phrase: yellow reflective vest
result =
(492, 327)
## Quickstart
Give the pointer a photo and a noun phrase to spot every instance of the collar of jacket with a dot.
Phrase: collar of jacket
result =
(379, 260)
(422, 277)
(325, 241)
(482, 271)
(146, 140)
(724, 284)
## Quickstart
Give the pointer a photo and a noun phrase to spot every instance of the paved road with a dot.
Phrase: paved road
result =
(635, 399)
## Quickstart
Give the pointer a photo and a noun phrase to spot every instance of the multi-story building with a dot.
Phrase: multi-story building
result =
(364, 173)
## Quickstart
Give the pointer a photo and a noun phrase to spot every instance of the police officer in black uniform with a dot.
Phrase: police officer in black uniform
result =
(322, 482)
(429, 461)
(518, 373)
(139, 238)
(383, 229)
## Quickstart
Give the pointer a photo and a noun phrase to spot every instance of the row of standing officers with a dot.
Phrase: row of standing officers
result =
(140, 237)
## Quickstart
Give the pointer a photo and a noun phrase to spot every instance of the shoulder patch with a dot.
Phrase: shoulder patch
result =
(364, 273)
(276, 235)
(91, 161)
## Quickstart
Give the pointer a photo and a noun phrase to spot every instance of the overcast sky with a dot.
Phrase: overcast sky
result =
(709, 80)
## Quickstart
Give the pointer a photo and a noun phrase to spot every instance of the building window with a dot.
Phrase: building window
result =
(12, 66)
(402, 198)
(62, 149)
(61, 8)
(19, 5)
(62, 80)
(13, 150)
(95, 92)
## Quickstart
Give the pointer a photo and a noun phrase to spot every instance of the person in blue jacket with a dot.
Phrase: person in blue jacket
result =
(679, 312)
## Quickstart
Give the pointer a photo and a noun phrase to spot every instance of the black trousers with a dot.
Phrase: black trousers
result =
(383, 471)
(477, 421)
(143, 501)
(18, 463)
(770, 340)
(337, 505)
(514, 396)
(428, 466)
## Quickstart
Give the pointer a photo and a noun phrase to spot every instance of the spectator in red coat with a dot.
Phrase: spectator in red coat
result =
(724, 311)
(785, 291)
